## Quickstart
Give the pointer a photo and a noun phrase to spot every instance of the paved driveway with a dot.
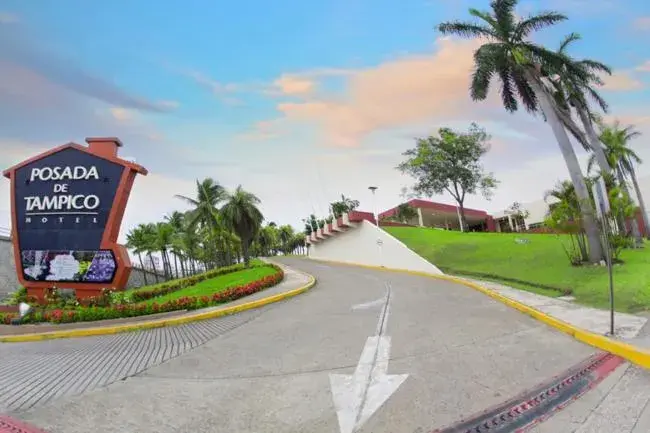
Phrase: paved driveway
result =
(432, 353)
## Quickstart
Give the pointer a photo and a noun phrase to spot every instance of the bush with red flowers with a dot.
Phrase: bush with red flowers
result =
(91, 313)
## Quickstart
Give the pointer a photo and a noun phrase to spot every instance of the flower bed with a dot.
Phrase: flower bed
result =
(92, 313)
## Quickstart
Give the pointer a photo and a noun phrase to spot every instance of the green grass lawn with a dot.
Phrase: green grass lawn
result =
(217, 284)
(541, 261)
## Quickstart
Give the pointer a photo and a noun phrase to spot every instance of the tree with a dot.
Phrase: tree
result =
(519, 213)
(209, 194)
(451, 163)
(623, 158)
(345, 205)
(520, 65)
(240, 213)
(405, 213)
(136, 241)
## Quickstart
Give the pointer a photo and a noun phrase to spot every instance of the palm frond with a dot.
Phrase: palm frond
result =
(537, 22)
(465, 30)
(568, 39)
(504, 12)
(188, 200)
(507, 93)
(526, 93)
(597, 98)
(595, 66)
(485, 16)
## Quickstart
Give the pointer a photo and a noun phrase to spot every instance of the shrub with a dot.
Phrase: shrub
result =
(92, 313)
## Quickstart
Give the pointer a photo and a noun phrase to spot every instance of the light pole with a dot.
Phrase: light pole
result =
(380, 242)
(374, 204)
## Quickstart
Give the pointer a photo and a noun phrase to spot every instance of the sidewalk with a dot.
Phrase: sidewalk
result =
(292, 280)
(621, 404)
(628, 327)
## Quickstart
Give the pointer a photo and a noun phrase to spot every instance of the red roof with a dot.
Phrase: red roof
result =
(440, 207)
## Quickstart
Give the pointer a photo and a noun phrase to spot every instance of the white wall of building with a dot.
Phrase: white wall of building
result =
(537, 211)
(358, 245)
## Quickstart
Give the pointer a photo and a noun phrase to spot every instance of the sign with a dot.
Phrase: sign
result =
(67, 206)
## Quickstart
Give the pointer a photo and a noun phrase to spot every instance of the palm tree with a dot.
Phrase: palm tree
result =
(241, 214)
(573, 91)
(518, 63)
(209, 194)
(623, 158)
(149, 236)
(136, 241)
(163, 240)
(175, 220)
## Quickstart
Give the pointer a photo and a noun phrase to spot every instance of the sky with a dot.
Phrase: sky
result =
(298, 102)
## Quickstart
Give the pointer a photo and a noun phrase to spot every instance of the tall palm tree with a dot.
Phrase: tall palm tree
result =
(209, 194)
(136, 241)
(623, 158)
(150, 244)
(573, 91)
(518, 62)
(241, 214)
(175, 220)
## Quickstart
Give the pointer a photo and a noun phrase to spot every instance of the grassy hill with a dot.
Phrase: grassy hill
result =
(540, 263)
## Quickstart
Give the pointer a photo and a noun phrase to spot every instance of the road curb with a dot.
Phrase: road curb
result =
(631, 353)
(173, 321)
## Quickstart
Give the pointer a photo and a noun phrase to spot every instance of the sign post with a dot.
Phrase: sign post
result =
(602, 210)
(67, 206)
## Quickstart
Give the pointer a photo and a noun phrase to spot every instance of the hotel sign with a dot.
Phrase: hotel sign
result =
(67, 207)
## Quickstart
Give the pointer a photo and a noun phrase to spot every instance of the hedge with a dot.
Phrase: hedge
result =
(86, 314)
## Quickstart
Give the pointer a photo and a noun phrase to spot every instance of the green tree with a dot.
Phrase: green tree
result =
(450, 162)
(405, 213)
(240, 213)
(136, 241)
(623, 159)
(209, 194)
(345, 205)
(520, 65)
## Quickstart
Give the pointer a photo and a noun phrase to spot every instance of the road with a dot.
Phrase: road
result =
(433, 353)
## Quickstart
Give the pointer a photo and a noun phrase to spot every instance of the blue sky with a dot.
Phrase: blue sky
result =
(298, 101)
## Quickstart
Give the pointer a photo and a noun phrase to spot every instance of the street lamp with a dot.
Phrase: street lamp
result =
(374, 205)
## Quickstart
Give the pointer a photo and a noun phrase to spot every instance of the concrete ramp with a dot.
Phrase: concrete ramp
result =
(354, 239)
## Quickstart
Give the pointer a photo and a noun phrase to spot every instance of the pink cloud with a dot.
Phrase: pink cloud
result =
(644, 67)
(294, 85)
(399, 92)
(621, 81)
(642, 23)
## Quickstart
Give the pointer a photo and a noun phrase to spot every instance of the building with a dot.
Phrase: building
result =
(445, 216)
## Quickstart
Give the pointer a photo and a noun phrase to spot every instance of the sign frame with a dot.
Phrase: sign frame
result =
(101, 147)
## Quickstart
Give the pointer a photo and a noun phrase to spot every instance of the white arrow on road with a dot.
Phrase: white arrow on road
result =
(358, 396)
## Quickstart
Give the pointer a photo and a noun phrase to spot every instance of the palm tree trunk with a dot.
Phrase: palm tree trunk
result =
(244, 247)
(153, 266)
(175, 264)
(594, 142)
(144, 271)
(642, 207)
(573, 165)
(634, 224)
(181, 260)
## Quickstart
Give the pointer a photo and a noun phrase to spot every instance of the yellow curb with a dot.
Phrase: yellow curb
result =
(631, 353)
(174, 321)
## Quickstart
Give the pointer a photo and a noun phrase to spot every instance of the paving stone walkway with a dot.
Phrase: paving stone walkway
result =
(36, 372)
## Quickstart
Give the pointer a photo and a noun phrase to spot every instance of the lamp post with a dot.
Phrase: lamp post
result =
(380, 242)
(374, 205)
